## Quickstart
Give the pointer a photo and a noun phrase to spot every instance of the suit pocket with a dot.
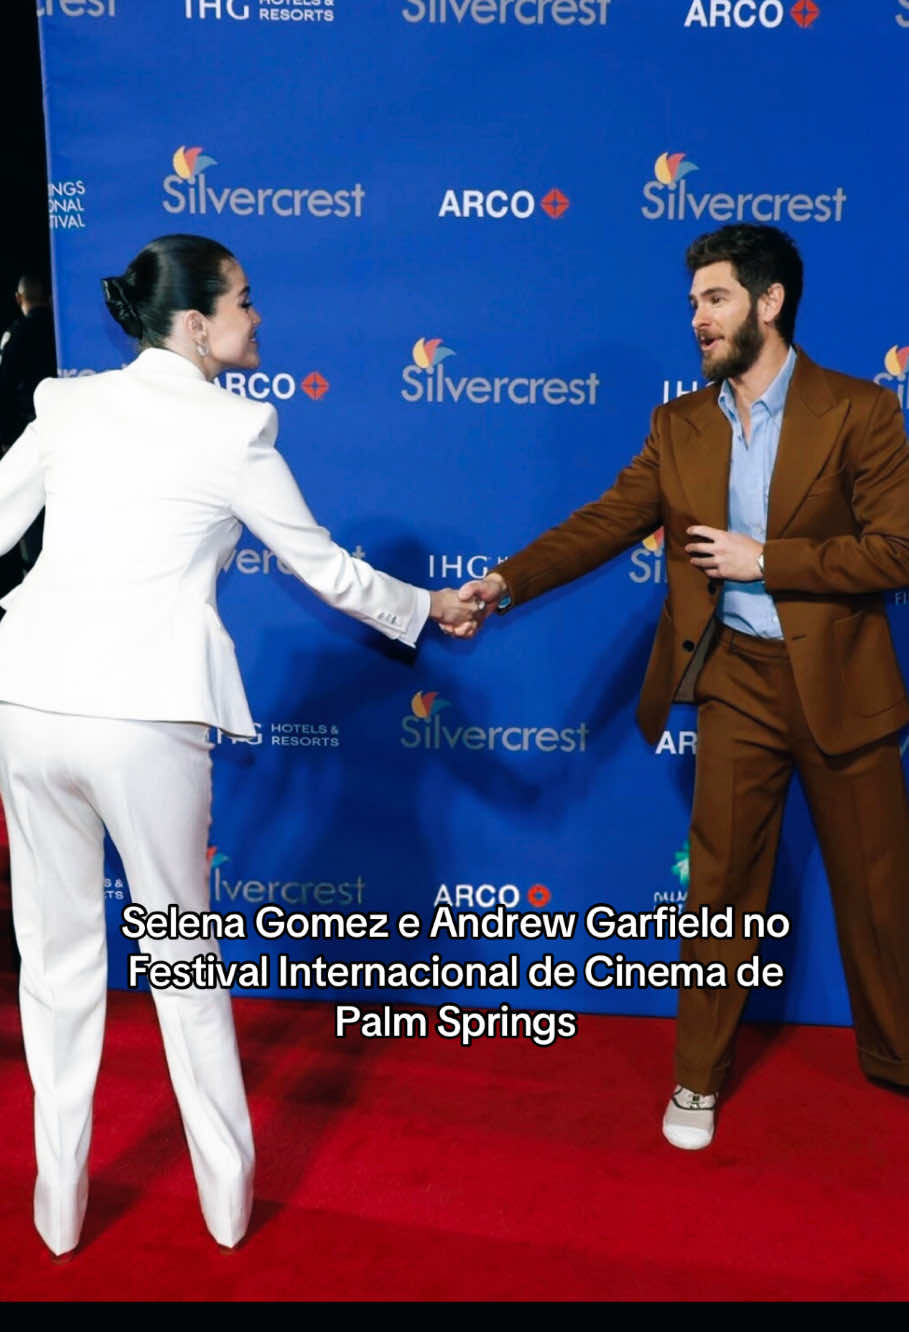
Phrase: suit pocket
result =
(867, 663)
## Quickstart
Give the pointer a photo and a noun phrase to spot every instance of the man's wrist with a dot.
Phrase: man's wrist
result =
(503, 601)
(760, 563)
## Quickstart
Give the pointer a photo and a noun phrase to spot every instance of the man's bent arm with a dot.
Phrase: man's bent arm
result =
(630, 510)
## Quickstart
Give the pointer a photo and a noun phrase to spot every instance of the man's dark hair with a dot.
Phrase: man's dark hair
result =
(760, 256)
(34, 289)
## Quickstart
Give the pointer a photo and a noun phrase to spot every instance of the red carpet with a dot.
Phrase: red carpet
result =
(415, 1170)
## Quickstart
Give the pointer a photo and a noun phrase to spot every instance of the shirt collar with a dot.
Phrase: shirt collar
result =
(160, 363)
(773, 399)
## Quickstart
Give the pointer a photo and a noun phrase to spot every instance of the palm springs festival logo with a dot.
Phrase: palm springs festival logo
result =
(682, 871)
(681, 867)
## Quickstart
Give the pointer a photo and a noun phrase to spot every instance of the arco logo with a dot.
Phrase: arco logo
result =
(188, 162)
(749, 14)
(315, 386)
(283, 385)
(485, 896)
(497, 204)
(555, 203)
(805, 12)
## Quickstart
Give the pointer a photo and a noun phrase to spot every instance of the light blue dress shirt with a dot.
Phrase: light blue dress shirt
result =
(748, 607)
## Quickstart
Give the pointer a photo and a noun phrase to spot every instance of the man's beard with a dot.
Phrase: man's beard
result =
(746, 344)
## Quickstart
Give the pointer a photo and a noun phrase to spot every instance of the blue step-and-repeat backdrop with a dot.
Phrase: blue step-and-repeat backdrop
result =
(464, 223)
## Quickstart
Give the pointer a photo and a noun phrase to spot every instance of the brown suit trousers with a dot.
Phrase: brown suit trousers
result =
(751, 733)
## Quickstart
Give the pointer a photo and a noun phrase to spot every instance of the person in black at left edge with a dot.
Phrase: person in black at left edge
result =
(27, 355)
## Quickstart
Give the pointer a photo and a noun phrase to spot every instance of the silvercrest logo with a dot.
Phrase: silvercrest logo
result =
(187, 190)
(525, 13)
(670, 195)
(425, 729)
(288, 892)
(426, 381)
(77, 8)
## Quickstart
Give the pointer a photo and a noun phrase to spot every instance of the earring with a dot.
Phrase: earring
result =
(202, 347)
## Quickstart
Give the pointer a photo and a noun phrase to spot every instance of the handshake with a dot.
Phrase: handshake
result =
(461, 611)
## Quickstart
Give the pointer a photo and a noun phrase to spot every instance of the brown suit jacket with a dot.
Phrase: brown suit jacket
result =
(837, 537)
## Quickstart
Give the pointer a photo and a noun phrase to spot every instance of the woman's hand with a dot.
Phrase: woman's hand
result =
(454, 616)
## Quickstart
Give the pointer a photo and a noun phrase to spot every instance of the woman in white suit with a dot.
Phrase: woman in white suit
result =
(113, 664)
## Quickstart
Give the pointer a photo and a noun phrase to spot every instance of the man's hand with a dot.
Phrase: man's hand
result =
(730, 555)
(454, 614)
(488, 591)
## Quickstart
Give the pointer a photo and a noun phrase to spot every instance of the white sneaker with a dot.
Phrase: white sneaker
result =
(689, 1119)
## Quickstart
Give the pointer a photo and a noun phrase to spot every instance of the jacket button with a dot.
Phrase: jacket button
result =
(688, 645)
(711, 588)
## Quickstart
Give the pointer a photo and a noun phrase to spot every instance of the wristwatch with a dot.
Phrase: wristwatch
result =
(760, 564)
(504, 602)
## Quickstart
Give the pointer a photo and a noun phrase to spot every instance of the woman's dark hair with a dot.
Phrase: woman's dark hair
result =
(172, 273)
(760, 256)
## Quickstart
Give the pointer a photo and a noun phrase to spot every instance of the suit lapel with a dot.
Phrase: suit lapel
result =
(812, 419)
(703, 462)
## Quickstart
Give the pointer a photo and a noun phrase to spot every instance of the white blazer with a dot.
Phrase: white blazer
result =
(147, 474)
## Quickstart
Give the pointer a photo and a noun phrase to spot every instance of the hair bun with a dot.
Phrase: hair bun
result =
(121, 307)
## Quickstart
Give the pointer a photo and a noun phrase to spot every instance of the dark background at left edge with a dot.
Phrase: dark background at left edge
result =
(26, 240)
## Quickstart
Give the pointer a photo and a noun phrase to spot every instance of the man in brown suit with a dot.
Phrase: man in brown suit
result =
(774, 625)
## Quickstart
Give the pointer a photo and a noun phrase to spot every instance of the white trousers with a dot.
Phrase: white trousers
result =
(63, 778)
